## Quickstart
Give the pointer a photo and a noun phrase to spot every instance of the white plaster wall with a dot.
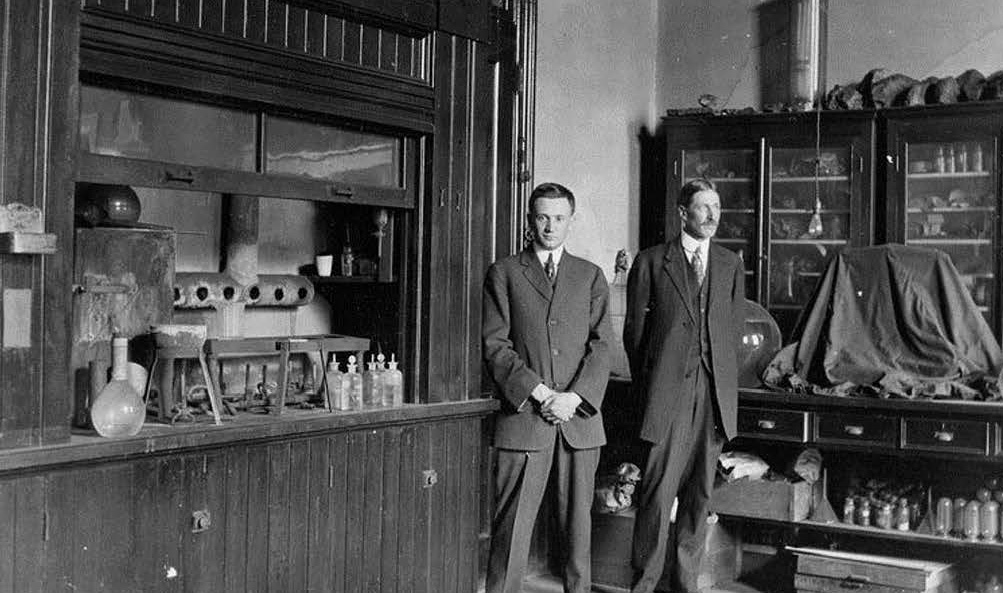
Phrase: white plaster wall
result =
(595, 91)
(916, 37)
(713, 46)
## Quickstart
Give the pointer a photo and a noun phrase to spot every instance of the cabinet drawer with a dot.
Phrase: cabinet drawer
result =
(778, 425)
(957, 436)
(866, 429)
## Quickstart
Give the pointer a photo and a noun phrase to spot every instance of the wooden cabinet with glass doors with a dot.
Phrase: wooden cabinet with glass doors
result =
(943, 190)
(795, 189)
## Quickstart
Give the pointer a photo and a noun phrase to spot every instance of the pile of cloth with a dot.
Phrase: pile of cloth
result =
(738, 465)
(891, 321)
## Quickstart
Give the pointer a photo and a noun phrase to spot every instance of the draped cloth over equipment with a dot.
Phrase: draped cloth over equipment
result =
(887, 316)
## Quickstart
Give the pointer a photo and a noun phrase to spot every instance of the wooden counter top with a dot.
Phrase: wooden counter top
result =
(154, 439)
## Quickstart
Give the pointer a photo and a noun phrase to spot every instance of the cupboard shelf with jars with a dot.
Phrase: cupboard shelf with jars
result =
(795, 189)
(942, 190)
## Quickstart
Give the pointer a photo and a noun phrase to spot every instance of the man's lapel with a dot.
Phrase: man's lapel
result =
(533, 271)
(676, 266)
(716, 275)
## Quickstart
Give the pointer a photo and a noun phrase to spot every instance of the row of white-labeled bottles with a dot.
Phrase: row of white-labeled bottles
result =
(381, 384)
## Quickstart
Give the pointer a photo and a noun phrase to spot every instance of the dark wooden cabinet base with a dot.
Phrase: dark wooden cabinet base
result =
(376, 501)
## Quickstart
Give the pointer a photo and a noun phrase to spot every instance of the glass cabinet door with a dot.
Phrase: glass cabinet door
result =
(810, 198)
(734, 174)
(950, 202)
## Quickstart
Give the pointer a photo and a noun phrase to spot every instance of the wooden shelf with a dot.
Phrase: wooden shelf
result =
(807, 211)
(950, 210)
(946, 241)
(810, 241)
(884, 534)
(722, 179)
(956, 175)
(826, 178)
(324, 280)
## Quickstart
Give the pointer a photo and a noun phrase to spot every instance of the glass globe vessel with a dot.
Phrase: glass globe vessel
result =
(761, 340)
(118, 410)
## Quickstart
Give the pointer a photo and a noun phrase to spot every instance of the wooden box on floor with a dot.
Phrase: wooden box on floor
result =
(611, 547)
(825, 571)
(765, 499)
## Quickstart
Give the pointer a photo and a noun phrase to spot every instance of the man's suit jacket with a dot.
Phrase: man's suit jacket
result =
(557, 335)
(660, 326)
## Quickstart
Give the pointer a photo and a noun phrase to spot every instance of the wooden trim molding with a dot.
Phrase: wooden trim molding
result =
(120, 47)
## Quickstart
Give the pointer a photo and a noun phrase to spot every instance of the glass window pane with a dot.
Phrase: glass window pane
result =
(951, 204)
(733, 173)
(810, 197)
(324, 152)
(118, 123)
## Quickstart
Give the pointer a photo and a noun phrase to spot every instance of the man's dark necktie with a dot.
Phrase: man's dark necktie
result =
(550, 268)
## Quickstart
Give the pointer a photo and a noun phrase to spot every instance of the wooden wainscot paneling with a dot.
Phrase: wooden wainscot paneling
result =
(38, 92)
(385, 507)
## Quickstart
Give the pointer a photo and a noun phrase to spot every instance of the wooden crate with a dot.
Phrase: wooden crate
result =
(764, 499)
(611, 550)
(825, 571)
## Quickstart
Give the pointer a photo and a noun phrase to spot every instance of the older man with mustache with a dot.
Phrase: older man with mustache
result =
(685, 312)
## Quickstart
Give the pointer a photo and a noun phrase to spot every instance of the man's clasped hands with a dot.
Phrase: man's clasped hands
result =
(557, 407)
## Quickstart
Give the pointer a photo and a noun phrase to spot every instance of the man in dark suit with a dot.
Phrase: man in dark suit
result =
(685, 312)
(546, 338)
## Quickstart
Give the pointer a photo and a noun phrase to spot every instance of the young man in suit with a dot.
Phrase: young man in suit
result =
(685, 312)
(546, 337)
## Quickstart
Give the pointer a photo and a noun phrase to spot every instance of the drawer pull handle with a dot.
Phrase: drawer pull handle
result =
(944, 436)
(853, 430)
(854, 582)
(766, 424)
(183, 176)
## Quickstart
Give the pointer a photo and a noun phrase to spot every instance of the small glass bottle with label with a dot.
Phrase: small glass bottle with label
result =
(989, 522)
(977, 158)
(335, 385)
(354, 385)
(973, 511)
(958, 516)
(864, 512)
(849, 510)
(372, 386)
(943, 519)
(902, 515)
(393, 384)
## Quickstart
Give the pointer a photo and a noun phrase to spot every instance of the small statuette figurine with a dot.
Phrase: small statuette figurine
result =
(621, 267)
(614, 493)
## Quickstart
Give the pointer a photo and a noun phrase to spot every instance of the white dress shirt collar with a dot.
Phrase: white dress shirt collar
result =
(541, 254)
(691, 244)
